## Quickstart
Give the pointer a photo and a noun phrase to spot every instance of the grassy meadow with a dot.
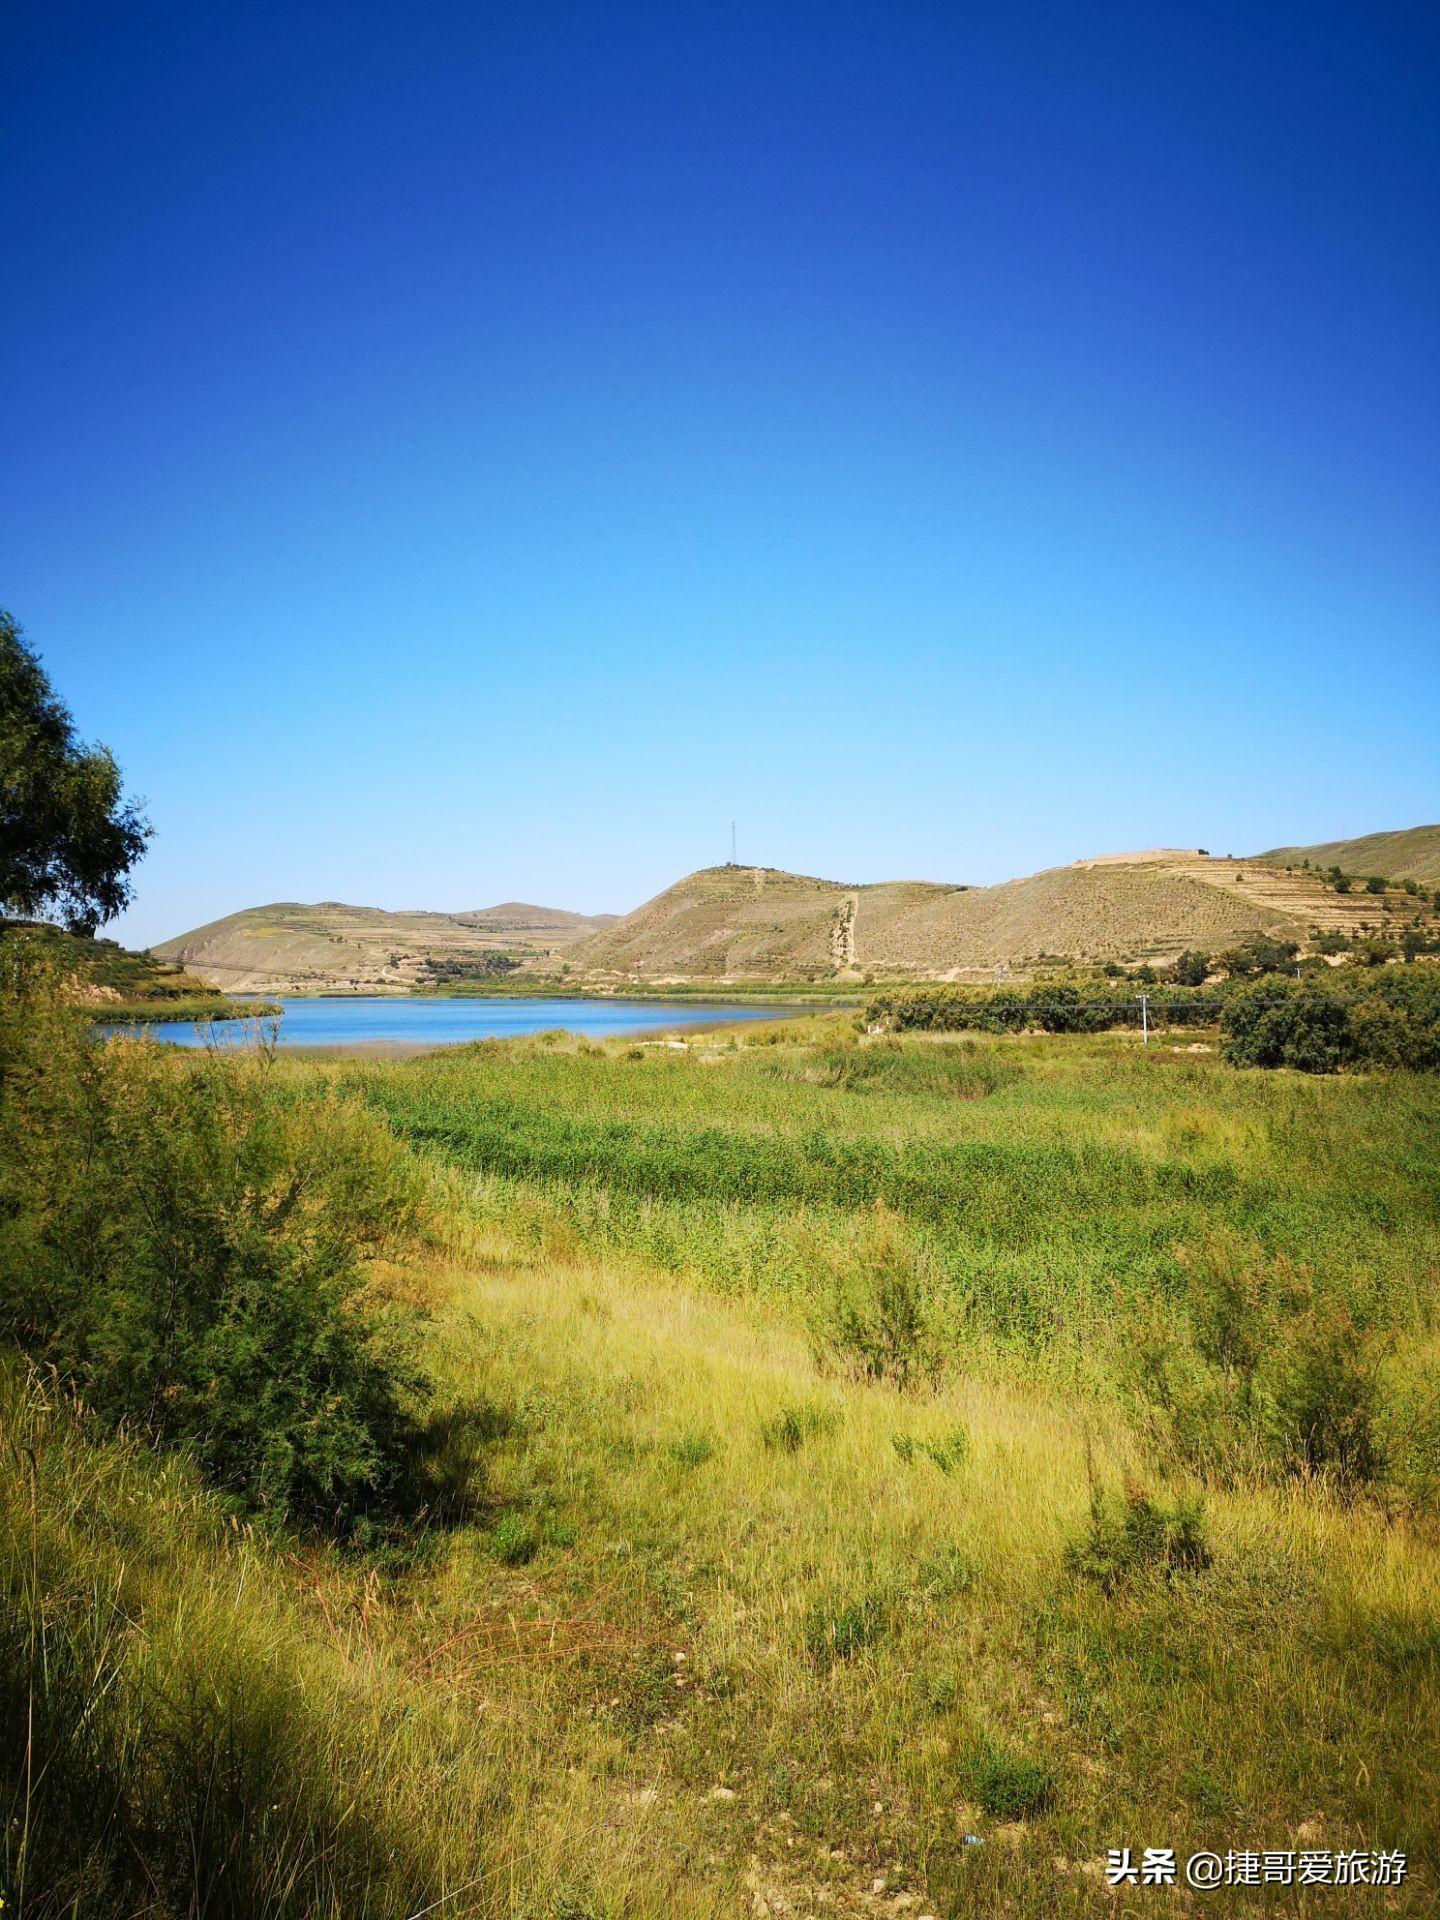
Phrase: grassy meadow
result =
(869, 1477)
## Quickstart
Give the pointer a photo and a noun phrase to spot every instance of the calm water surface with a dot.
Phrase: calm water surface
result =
(368, 1021)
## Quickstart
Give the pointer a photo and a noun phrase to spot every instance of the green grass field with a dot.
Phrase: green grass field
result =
(896, 1473)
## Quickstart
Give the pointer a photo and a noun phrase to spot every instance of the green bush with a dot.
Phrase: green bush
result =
(792, 1426)
(515, 1540)
(1321, 1394)
(875, 1322)
(188, 1245)
(1258, 955)
(692, 1449)
(1386, 1018)
(1007, 1786)
(1396, 1022)
(842, 1629)
(1286, 1024)
(1138, 1538)
(945, 1451)
(1051, 1006)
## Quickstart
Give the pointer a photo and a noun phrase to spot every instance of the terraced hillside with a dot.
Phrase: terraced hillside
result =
(739, 923)
(333, 948)
(1413, 853)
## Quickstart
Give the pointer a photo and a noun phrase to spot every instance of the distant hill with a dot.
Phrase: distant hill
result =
(516, 916)
(753, 922)
(1411, 853)
(332, 947)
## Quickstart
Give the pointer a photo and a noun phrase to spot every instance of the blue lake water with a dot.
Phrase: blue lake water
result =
(377, 1021)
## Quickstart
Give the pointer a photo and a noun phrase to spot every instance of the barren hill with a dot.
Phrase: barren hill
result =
(331, 947)
(751, 924)
(748, 923)
(1412, 853)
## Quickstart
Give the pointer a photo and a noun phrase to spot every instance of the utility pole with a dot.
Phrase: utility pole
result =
(1144, 1019)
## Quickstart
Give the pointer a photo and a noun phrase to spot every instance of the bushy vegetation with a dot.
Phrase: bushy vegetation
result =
(1138, 1538)
(1008, 1786)
(110, 978)
(188, 1247)
(1385, 1017)
(1283, 1024)
(493, 963)
(1390, 1019)
(1046, 1007)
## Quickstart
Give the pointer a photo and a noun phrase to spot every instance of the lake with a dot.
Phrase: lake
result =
(378, 1021)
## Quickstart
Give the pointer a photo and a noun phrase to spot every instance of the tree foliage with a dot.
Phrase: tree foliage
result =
(68, 834)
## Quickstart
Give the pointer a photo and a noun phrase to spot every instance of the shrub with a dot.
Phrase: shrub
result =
(945, 1451)
(838, 1630)
(1139, 1538)
(1321, 1390)
(1286, 1024)
(1063, 1009)
(1258, 955)
(793, 1425)
(693, 1449)
(875, 1323)
(1371, 953)
(1053, 1006)
(515, 1540)
(1007, 1786)
(188, 1246)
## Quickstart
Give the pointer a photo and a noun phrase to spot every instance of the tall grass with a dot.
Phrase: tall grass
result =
(1071, 1204)
(950, 1469)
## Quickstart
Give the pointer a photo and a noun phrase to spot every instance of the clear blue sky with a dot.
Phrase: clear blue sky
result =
(459, 452)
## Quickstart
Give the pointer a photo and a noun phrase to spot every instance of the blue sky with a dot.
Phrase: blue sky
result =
(459, 453)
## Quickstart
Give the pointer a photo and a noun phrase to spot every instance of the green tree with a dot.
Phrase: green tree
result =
(68, 835)
(1275, 1024)
(1259, 954)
